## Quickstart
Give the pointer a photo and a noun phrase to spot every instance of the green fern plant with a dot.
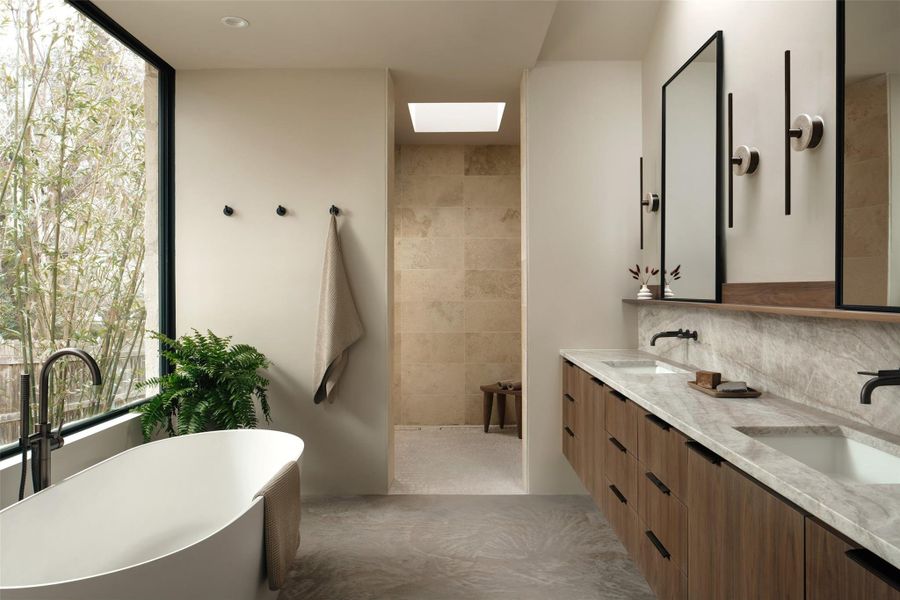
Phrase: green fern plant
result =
(211, 386)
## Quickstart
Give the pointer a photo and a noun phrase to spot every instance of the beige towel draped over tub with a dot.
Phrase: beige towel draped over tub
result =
(339, 324)
(281, 509)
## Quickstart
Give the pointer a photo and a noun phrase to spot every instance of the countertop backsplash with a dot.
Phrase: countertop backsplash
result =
(811, 361)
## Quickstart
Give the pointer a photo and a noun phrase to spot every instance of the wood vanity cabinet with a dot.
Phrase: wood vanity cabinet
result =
(697, 527)
(598, 487)
(744, 542)
(570, 411)
(837, 569)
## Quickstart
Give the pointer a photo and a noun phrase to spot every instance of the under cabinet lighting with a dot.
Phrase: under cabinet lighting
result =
(456, 117)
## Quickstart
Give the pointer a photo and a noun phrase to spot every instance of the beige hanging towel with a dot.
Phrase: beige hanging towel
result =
(339, 324)
(281, 522)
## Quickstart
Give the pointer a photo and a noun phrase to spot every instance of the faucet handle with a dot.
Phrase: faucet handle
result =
(56, 439)
(867, 373)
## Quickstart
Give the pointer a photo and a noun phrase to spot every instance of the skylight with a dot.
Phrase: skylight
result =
(456, 117)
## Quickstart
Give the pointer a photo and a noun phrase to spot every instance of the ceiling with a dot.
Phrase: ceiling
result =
(437, 50)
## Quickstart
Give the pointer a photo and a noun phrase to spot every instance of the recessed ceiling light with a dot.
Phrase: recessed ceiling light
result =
(236, 22)
(456, 117)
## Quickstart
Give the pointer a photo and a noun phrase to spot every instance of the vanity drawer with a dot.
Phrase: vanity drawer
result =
(569, 411)
(622, 470)
(570, 448)
(622, 419)
(662, 450)
(623, 519)
(571, 379)
(660, 571)
(662, 512)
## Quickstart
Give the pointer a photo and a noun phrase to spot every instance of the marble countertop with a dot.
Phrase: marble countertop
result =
(867, 514)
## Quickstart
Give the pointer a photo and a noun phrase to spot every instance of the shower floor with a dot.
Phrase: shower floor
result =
(457, 460)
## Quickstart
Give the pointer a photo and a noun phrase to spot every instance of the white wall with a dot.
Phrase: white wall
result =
(304, 139)
(581, 146)
(765, 245)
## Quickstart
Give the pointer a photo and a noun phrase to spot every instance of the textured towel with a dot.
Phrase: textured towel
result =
(339, 325)
(281, 506)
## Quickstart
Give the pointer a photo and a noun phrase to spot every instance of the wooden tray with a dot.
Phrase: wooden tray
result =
(750, 393)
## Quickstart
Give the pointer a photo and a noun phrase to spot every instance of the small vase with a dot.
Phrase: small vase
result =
(668, 293)
(644, 293)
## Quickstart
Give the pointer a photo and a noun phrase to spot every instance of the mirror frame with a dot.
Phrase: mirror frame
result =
(717, 39)
(841, 55)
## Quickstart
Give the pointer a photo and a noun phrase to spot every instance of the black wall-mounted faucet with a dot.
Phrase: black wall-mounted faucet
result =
(684, 334)
(879, 379)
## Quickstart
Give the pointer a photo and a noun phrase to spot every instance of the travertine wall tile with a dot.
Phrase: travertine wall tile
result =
(502, 190)
(431, 160)
(493, 347)
(492, 160)
(493, 285)
(488, 253)
(432, 348)
(444, 221)
(457, 263)
(493, 316)
(429, 253)
(493, 222)
(431, 190)
(433, 315)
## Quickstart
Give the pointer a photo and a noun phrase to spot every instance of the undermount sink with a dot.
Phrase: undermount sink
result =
(834, 452)
(644, 367)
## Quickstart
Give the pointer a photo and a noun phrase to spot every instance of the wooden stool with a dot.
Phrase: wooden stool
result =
(489, 392)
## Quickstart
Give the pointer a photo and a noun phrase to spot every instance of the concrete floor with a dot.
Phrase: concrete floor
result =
(409, 547)
(457, 460)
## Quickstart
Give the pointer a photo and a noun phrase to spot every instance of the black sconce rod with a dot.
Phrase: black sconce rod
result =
(641, 197)
(787, 132)
(730, 163)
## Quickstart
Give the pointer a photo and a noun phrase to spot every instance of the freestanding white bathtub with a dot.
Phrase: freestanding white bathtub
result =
(171, 519)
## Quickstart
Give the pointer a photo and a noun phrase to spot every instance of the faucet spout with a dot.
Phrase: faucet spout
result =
(684, 334)
(43, 440)
(880, 379)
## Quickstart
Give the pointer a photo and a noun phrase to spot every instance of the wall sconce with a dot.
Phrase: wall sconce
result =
(649, 201)
(744, 160)
(802, 133)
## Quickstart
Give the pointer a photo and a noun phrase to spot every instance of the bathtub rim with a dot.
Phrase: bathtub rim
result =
(250, 506)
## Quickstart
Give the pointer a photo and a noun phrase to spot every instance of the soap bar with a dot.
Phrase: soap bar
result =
(733, 386)
(708, 379)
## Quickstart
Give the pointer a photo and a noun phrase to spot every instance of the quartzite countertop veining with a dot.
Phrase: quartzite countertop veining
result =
(867, 514)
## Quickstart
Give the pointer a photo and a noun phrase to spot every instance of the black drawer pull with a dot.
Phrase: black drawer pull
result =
(618, 494)
(570, 432)
(618, 444)
(618, 395)
(707, 454)
(659, 484)
(569, 398)
(875, 565)
(658, 422)
(659, 547)
(595, 380)
(568, 362)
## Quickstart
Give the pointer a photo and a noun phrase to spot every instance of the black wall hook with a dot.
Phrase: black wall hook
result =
(280, 211)
(227, 211)
(334, 210)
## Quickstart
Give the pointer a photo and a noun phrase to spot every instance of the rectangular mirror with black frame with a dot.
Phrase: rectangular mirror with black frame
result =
(868, 155)
(692, 235)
